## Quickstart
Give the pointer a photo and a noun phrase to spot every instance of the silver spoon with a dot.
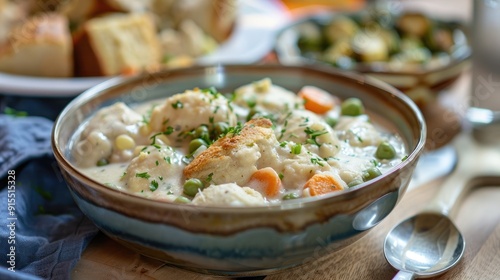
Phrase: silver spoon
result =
(428, 243)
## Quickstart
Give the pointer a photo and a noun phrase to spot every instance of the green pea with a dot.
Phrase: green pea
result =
(102, 162)
(201, 132)
(195, 144)
(331, 121)
(251, 113)
(352, 107)
(354, 182)
(182, 200)
(289, 196)
(385, 151)
(192, 186)
(371, 173)
(220, 128)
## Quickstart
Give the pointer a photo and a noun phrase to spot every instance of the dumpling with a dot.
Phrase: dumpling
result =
(228, 195)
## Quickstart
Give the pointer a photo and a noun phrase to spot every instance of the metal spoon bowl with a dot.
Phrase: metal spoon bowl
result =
(428, 243)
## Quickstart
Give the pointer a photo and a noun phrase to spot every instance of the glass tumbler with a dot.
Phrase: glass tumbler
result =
(484, 112)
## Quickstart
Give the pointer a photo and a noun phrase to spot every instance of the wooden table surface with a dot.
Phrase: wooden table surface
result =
(478, 218)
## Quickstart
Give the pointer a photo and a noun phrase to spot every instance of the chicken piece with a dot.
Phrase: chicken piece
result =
(264, 96)
(93, 148)
(189, 110)
(156, 169)
(228, 195)
(358, 131)
(98, 139)
(306, 128)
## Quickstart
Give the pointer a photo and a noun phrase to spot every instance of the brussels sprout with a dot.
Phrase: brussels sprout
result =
(410, 42)
(391, 39)
(310, 38)
(413, 24)
(413, 56)
(439, 40)
(341, 27)
(339, 49)
(368, 47)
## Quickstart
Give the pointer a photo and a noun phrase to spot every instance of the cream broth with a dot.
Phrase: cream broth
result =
(262, 145)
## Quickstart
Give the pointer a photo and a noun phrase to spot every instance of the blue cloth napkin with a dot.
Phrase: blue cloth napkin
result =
(43, 233)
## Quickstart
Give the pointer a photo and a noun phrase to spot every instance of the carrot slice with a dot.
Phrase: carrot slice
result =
(316, 99)
(321, 184)
(267, 181)
(129, 71)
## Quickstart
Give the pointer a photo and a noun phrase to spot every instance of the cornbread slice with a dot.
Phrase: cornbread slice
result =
(215, 17)
(11, 14)
(41, 46)
(79, 11)
(114, 43)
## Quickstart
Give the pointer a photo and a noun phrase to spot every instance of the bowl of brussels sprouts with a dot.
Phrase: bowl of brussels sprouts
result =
(410, 50)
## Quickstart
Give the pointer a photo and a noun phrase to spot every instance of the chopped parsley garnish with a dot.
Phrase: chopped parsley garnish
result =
(209, 178)
(216, 109)
(168, 160)
(282, 133)
(251, 102)
(156, 146)
(313, 134)
(375, 162)
(211, 90)
(187, 160)
(144, 175)
(102, 162)
(404, 158)
(317, 161)
(283, 144)
(169, 130)
(281, 176)
(153, 186)
(296, 149)
(15, 113)
(147, 117)
(153, 138)
(157, 163)
(235, 130)
(178, 105)
(160, 177)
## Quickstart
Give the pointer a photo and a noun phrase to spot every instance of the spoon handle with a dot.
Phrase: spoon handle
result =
(459, 181)
(404, 275)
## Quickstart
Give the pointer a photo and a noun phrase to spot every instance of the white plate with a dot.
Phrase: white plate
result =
(252, 39)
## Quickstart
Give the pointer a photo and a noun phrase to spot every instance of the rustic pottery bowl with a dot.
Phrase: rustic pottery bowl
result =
(251, 240)
(421, 83)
